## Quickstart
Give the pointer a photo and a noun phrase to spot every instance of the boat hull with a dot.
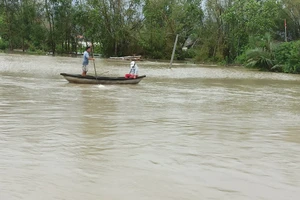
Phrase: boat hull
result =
(76, 78)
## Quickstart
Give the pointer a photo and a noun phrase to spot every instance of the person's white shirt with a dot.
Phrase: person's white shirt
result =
(134, 69)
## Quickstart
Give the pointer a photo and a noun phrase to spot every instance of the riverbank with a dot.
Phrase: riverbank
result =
(141, 59)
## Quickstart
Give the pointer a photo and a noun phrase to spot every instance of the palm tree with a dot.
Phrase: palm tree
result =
(262, 56)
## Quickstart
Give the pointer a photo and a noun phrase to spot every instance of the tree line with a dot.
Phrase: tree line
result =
(257, 33)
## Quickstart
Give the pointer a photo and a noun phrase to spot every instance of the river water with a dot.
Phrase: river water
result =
(191, 132)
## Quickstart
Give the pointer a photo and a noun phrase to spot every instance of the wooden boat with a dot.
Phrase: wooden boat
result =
(77, 78)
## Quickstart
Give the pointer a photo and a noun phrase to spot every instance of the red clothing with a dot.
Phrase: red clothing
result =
(130, 76)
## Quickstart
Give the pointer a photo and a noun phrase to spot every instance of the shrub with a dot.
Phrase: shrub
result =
(259, 58)
(3, 44)
(241, 59)
(288, 55)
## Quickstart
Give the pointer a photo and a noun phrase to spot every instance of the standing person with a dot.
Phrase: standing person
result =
(86, 58)
(134, 69)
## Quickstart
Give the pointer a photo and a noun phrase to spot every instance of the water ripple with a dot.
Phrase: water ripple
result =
(182, 133)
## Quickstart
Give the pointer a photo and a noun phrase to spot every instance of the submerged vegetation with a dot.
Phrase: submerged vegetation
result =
(263, 34)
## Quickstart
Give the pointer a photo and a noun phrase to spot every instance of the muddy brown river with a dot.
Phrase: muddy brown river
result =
(187, 133)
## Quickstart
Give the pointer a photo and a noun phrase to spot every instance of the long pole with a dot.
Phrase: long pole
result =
(93, 59)
(95, 69)
(285, 34)
(174, 48)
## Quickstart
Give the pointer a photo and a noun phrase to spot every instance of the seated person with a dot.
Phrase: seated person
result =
(133, 73)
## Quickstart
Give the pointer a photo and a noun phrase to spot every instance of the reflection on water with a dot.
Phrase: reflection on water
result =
(188, 132)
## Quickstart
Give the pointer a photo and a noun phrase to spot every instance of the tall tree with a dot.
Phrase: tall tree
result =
(115, 25)
(49, 12)
(292, 12)
(237, 20)
(164, 19)
(10, 23)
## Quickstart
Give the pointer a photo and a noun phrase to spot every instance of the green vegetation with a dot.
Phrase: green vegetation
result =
(247, 32)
